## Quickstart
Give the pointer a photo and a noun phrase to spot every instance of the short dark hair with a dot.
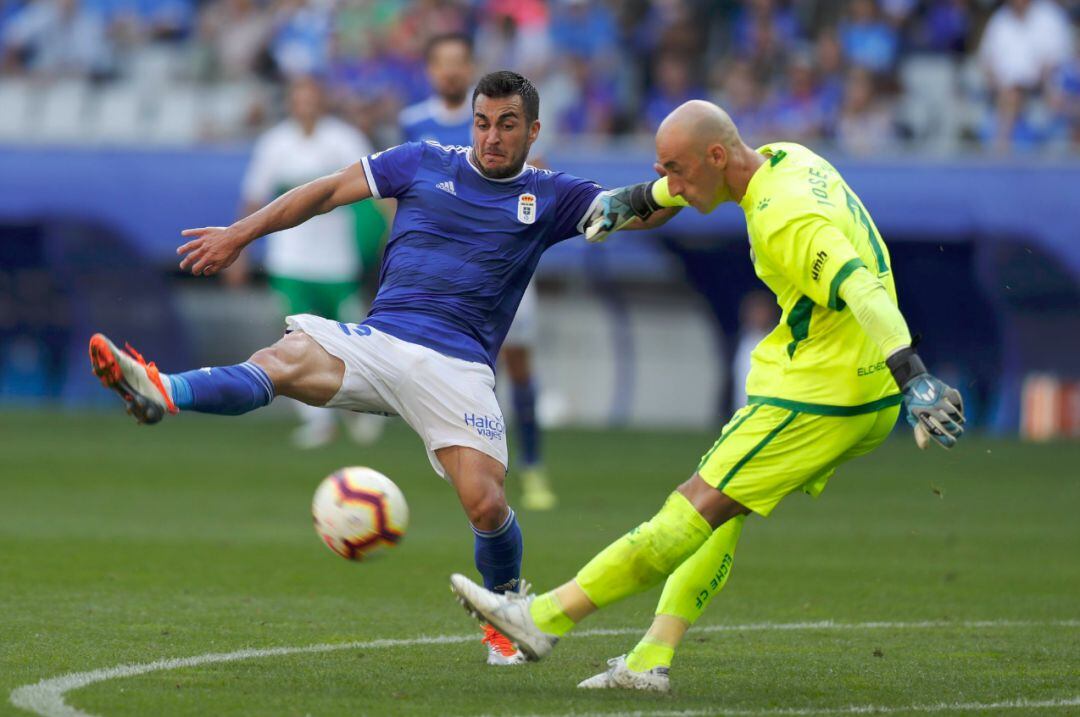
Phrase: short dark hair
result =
(434, 42)
(505, 83)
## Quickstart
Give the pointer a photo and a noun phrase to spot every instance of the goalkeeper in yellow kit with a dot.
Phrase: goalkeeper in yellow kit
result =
(825, 386)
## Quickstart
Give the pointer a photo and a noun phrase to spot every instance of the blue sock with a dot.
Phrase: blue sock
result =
(226, 390)
(524, 396)
(498, 555)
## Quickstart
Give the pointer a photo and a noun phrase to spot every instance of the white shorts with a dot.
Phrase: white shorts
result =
(524, 329)
(447, 401)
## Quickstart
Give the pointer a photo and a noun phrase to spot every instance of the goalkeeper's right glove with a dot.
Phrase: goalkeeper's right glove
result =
(934, 408)
(617, 207)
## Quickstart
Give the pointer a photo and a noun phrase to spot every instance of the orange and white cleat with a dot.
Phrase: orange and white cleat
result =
(508, 613)
(500, 650)
(139, 383)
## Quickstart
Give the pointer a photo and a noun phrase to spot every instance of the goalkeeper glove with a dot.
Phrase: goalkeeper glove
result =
(617, 207)
(933, 408)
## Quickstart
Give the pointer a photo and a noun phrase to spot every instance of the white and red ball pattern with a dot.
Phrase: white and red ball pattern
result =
(357, 510)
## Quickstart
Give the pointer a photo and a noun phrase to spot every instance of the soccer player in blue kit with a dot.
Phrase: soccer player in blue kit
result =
(471, 225)
(446, 117)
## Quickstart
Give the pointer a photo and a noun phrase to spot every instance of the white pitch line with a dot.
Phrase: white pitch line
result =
(848, 710)
(46, 698)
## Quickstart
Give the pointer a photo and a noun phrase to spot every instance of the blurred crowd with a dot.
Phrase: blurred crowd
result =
(871, 76)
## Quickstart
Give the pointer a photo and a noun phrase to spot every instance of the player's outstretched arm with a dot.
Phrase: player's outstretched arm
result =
(636, 206)
(933, 408)
(211, 249)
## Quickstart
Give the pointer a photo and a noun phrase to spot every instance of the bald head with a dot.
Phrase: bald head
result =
(698, 146)
(698, 124)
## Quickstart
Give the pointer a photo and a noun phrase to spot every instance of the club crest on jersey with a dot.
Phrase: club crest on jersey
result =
(526, 208)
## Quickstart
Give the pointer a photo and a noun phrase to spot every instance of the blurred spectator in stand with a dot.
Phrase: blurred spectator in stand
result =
(1024, 43)
(362, 106)
(605, 67)
(1064, 96)
(515, 35)
(584, 28)
(587, 106)
(866, 124)
(300, 43)
(371, 83)
(751, 17)
(829, 66)
(797, 112)
(868, 39)
(408, 38)
(944, 27)
(580, 90)
(645, 30)
(766, 50)
(424, 19)
(816, 14)
(56, 38)
(403, 47)
(8, 9)
(131, 23)
(356, 20)
(680, 29)
(638, 26)
(167, 20)
(741, 97)
(898, 12)
(232, 37)
(673, 84)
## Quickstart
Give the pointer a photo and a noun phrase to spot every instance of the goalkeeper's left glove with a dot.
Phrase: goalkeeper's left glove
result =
(934, 408)
(617, 207)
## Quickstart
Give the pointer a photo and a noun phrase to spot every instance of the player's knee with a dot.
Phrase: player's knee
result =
(283, 362)
(713, 505)
(487, 509)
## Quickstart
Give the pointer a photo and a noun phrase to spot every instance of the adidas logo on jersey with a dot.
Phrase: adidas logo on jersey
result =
(447, 186)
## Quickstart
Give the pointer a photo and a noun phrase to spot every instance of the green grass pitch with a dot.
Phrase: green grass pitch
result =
(122, 544)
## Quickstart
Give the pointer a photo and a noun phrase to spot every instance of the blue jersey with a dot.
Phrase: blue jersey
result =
(430, 120)
(463, 247)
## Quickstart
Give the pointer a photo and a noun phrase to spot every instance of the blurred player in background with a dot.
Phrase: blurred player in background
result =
(825, 387)
(446, 118)
(470, 227)
(757, 317)
(315, 267)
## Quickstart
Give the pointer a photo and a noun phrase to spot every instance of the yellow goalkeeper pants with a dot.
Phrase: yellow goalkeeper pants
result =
(766, 452)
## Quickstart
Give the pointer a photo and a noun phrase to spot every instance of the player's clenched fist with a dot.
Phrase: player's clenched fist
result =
(617, 207)
(210, 250)
(934, 408)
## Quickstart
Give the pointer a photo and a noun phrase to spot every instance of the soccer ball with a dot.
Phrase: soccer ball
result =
(357, 510)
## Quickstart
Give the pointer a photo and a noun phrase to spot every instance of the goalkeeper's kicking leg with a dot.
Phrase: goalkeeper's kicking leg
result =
(296, 366)
(686, 594)
(635, 562)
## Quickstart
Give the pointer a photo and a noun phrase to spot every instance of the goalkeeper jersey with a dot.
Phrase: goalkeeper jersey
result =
(808, 233)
